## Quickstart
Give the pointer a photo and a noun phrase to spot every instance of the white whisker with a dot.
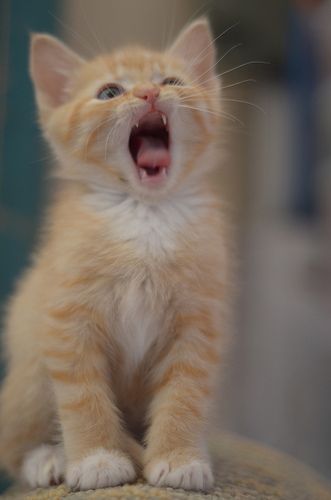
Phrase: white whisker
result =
(241, 66)
(249, 80)
(76, 35)
(219, 75)
(212, 42)
(200, 95)
(253, 105)
(201, 9)
(100, 47)
(219, 114)
(216, 63)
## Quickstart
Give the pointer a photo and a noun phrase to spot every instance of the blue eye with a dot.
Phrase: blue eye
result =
(172, 80)
(109, 91)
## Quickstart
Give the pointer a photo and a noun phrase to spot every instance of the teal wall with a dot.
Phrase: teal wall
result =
(22, 168)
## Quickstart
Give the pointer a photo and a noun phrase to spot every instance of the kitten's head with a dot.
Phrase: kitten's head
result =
(135, 120)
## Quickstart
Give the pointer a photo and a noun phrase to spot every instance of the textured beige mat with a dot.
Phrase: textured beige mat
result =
(244, 470)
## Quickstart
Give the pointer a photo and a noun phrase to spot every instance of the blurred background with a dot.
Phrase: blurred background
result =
(275, 62)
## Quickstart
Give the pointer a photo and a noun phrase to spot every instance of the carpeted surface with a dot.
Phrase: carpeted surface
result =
(244, 470)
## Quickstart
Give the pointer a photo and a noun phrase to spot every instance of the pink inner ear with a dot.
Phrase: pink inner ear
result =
(51, 83)
(52, 67)
(195, 47)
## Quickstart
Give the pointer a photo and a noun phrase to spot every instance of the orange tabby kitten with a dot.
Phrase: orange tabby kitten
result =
(114, 333)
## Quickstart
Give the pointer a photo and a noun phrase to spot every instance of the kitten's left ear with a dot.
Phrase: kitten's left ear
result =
(52, 66)
(195, 46)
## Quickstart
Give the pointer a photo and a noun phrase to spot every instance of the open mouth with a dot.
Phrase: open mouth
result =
(149, 147)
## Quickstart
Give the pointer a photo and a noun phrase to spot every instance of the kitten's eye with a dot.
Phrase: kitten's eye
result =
(172, 80)
(109, 91)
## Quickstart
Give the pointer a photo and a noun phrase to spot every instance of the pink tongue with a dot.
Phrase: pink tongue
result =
(152, 152)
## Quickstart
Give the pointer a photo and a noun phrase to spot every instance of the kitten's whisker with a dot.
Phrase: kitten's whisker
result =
(229, 116)
(171, 21)
(101, 48)
(213, 95)
(219, 75)
(249, 80)
(252, 104)
(94, 129)
(219, 114)
(199, 56)
(215, 39)
(106, 146)
(216, 63)
(74, 33)
(200, 10)
(198, 91)
(231, 49)
(46, 158)
(112, 133)
(192, 100)
(241, 66)
(164, 36)
(197, 11)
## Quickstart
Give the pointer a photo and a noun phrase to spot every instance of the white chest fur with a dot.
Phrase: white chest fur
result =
(154, 232)
(141, 321)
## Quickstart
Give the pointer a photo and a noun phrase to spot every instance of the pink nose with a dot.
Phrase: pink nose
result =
(147, 93)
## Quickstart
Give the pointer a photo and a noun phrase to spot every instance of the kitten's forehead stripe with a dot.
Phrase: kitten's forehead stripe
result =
(130, 65)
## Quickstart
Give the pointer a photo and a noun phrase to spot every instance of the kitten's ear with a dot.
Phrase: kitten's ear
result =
(195, 46)
(52, 65)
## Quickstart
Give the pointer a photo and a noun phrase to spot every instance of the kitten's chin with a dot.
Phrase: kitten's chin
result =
(149, 146)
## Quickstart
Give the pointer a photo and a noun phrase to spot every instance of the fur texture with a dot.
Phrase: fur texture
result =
(114, 335)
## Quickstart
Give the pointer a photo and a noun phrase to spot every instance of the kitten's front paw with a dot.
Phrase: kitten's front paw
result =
(100, 470)
(43, 466)
(192, 474)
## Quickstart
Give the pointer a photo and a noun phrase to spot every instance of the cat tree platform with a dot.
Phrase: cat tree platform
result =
(244, 470)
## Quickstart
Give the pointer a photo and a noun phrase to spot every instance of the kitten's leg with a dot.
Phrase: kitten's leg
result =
(176, 455)
(27, 413)
(95, 444)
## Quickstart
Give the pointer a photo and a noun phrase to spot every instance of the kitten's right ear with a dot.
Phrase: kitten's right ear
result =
(52, 66)
(195, 46)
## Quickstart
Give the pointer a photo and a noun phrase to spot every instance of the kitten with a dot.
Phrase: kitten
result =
(114, 334)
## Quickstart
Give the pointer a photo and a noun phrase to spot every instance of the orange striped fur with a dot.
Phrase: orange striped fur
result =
(115, 333)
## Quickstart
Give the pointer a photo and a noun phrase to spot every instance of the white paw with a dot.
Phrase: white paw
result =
(195, 475)
(43, 466)
(99, 470)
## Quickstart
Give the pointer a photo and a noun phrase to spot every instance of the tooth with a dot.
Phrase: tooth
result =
(137, 125)
(143, 173)
(164, 119)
